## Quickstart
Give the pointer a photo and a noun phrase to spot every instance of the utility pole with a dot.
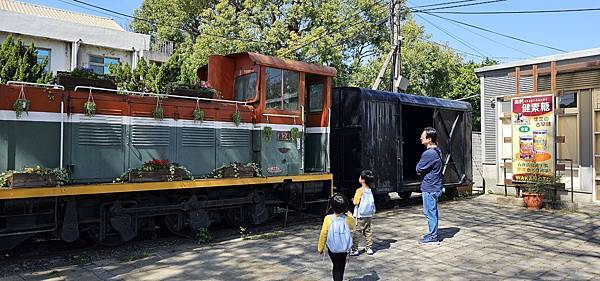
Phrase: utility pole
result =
(394, 41)
(397, 82)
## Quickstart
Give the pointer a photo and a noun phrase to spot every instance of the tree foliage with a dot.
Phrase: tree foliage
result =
(350, 35)
(18, 62)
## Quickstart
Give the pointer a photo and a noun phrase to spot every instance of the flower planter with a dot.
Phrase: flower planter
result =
(242, 172)
(193, 93)
(69, 82)
(17, 180)
(156, 175)
(533, 201)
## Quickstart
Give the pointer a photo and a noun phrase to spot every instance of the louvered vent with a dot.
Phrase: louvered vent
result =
(234, 138)
(150, 135)
(100, 134)
(194, 137)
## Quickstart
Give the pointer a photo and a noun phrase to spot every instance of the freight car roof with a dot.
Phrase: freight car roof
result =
(415, 100)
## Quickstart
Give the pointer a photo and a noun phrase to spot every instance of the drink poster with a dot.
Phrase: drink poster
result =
(532, 120)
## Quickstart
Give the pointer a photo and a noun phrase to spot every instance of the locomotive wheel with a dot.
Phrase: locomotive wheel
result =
(111, 240)
(187, 223)
(235, 217)
(171, 223)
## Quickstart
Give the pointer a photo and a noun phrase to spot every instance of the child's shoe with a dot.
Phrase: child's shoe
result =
(369, 251)
(354, 253)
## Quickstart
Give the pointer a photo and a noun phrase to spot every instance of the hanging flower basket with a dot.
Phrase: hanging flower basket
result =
(198, 114)
(21, 104)
(89, 107)
(158, 113)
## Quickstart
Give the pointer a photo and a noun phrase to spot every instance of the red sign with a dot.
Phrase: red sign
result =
(533, 106)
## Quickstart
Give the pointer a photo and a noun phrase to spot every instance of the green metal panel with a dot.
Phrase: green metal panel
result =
(196, 150)
(234, 145)
(279, 157)
(28, 144)
(315, 152)
(4, 141)
(97, 152)
(147, 142)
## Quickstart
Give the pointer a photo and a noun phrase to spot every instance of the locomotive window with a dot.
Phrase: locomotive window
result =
(282, 89)
(291, 80)
(315, 97)
(273, 94)
(245, 87)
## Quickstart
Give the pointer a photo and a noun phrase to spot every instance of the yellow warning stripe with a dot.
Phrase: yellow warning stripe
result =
(34, 192)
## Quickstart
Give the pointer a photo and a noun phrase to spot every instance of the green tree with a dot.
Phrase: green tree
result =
(349, 35)
(340, 33)
(18, 62)
(466, 85)
(143, 78)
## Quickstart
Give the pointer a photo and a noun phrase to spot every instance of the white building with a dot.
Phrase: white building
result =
(574, 79)
(69, 39)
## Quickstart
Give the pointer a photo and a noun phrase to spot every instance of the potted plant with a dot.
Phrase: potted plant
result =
(236, 170)
(84, 76)
(156, 170)
(34, 177)
(533, 193)
(201, 89)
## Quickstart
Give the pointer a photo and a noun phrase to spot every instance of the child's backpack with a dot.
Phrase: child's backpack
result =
(339, 237)
(366, 207)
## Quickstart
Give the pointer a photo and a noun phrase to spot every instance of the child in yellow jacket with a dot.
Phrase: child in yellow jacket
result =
(363, 212)
(336, 233)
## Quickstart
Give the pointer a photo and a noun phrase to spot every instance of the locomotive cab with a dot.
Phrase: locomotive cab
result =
(291, 103)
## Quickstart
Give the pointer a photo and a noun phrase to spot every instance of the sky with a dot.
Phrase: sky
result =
(566, 31)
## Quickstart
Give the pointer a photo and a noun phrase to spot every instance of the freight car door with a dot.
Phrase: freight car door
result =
(381, 144)
(453, 141)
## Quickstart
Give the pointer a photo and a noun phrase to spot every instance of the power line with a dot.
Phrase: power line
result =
(477, 50)
(108, 10)
(518, 12)
(89, 9)
(493, 40)
(445, 3)
(177, 27)
(470, 54)
(497, 33)
(462, 5)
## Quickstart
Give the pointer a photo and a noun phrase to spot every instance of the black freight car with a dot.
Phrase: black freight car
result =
(380, 131)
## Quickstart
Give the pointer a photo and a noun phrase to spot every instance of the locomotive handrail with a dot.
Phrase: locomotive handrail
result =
(54, 86)
(280, 115)
(157, 95)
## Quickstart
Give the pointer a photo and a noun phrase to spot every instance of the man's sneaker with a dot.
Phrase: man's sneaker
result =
(354, 253)
(369, 251)
(429, 241)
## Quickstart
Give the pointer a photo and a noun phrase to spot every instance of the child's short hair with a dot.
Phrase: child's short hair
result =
(367, 176)
(339, 203)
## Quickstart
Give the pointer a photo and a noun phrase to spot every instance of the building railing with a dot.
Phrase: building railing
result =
(508, 182)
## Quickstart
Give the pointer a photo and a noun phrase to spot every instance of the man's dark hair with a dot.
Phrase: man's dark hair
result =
(339, 203)
(431, 133)
(367, 176)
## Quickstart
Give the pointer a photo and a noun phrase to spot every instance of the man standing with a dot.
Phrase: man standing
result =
(430, 170)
